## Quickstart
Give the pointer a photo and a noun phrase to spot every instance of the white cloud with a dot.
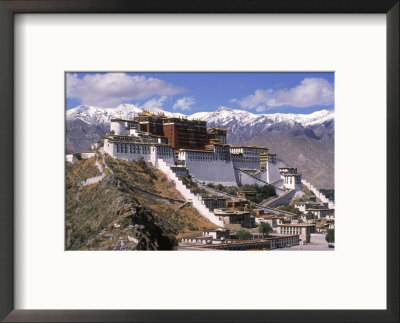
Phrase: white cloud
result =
(154, 103)
(184, 103)
(261, 109)
(111, 89)
(310, 92)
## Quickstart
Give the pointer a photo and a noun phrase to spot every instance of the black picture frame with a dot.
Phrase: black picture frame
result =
(7, 11)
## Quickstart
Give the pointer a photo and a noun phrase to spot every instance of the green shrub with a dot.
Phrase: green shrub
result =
(330, 236)
(244, 235)
(265, 228)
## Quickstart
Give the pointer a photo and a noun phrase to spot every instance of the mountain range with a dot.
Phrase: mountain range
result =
(305, 141)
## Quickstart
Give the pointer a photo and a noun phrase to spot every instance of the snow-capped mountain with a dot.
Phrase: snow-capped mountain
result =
(305, 141)
(243, 125)
(224, 116)
(101, 116)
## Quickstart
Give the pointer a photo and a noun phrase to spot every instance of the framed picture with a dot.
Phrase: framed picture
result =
(61, 59)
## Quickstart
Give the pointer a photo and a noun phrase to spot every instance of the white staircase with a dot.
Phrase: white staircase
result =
(187, 194)
(318, 194)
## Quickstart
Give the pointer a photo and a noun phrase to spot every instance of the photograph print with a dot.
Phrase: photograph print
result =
(196, 161)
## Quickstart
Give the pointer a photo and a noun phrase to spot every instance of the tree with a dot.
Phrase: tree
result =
(330, 236)
(244, 235)
(265, 228)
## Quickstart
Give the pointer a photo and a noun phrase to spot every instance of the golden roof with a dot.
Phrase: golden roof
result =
(146, 113)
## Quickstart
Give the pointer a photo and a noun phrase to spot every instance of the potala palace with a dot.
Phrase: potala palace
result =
(188, 146)
(180, 147)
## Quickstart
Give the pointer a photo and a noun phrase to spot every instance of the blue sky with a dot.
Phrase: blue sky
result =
(197, 92)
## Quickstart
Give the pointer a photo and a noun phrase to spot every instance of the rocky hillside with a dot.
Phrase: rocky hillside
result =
(134, 207)
(312, 157)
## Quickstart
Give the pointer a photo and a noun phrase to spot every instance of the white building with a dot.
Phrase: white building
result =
(70, 158)
(291, 179)
(231, 165)
(217, 163)
(133, 150)
(123, 127)
(210, 165)
(322, 213)
(302, 229)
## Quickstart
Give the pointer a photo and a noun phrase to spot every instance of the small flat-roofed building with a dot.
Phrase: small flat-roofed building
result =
(229, 216)
(321, 213)
(71, 158)
(214, 202)
(292, 181)
(217, 233)
(271, 219)
(301, 206)
(237, 204)
(302, 229)
(278, 241)
(304, 206)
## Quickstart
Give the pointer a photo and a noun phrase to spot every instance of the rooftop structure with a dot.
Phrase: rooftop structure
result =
(179, 132)
(216, 136)
(289, 170)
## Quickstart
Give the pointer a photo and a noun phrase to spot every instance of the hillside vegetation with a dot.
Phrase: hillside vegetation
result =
(134, 207)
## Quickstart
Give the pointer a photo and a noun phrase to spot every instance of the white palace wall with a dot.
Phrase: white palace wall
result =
(215, 171)
(273, 173)
(112, 150)
(246, 164)
(244, 178)
(148, 152)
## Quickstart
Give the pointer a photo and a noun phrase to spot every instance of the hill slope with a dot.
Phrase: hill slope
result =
(112, 214)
